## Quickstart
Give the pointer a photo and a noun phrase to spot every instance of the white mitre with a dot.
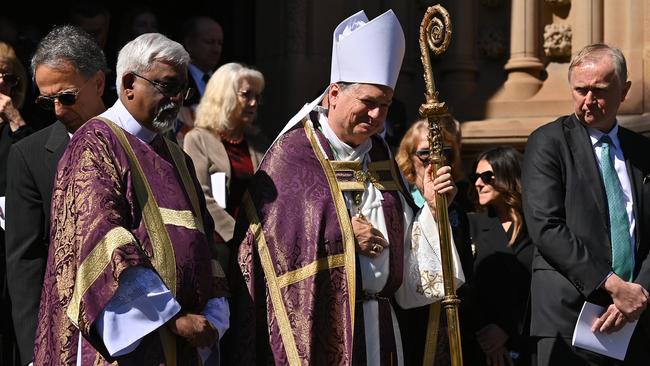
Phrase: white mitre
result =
(369, 52)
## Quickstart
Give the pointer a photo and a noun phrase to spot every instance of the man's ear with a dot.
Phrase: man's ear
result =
(332, 95)
(128, 80)
(100, 82)
(626, 89)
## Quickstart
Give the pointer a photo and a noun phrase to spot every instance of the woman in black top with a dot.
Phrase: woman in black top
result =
(502, 266)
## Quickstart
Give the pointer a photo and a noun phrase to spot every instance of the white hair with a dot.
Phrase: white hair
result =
(140, 54)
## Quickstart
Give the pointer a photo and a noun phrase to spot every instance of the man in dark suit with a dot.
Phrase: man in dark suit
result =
(68, 67)
(587, 206)
(202, 37)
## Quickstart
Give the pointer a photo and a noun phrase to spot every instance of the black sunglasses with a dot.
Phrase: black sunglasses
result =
(168, 89)
(66, 98)
(424, 154)
(487, 177)
(9, 78)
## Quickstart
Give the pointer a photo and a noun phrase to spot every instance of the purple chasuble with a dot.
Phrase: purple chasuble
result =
(299, 228)
(98, 231)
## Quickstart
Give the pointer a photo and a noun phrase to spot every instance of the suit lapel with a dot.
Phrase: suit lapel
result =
(586, 164)
(636, 175)
(55, 146)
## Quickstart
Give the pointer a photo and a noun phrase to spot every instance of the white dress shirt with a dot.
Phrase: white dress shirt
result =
(616, 152)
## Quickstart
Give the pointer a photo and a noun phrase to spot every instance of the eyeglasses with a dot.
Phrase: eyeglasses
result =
(9, 78)
(250, 95)
(66, 98)
(487, 177)
(425, 154)
(167, 89)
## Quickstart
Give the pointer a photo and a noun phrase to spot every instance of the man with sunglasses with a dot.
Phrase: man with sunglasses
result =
(586, 201)
(330, 238)
(130, 276)
(69, 70)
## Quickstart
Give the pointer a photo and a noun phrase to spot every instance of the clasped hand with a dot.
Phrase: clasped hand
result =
(630, 300)
(493, 340)
(195, 328)
(370, 241)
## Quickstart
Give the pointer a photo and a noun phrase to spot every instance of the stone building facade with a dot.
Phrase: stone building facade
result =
(504, 74)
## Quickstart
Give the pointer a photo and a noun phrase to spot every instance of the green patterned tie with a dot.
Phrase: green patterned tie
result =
(619, 228)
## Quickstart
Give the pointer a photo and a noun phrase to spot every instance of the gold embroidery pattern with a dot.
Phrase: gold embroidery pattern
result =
(164, 259)
(181, 168)
(272, 282)
(351, 177)
(289, 278)
(369, 176)
(182, 218)
(349, 248)
(94, 265)
(430, 285)
(417, 232)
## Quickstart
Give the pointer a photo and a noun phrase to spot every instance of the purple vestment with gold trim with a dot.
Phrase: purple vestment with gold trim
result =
(297, 216)
(98, 231)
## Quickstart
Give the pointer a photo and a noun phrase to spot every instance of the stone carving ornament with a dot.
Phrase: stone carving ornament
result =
(557, 40)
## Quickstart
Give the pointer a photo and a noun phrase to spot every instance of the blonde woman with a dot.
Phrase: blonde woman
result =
(225, 141)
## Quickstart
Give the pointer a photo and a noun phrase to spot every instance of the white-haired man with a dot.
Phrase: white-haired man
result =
(129, 277)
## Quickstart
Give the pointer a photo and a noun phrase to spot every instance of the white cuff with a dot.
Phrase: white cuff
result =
(141, 304)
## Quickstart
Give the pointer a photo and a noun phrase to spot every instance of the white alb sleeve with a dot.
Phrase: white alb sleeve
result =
(141, 304)
(423, 281)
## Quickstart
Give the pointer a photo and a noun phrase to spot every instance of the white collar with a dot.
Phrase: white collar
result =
(343, 151)
(595, 135)
(123, 118)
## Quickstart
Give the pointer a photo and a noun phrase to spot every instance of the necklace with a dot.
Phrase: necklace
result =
(235, 141)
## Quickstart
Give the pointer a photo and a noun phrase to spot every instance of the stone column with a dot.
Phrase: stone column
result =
(524, 67)
(460, 71)
(587, 16)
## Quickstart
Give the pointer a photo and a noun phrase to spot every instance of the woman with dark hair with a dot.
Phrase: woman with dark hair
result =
(504, 252)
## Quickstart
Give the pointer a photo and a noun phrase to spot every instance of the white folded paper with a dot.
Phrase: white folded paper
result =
(218, 181)
(2, 212)
(609, 344)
